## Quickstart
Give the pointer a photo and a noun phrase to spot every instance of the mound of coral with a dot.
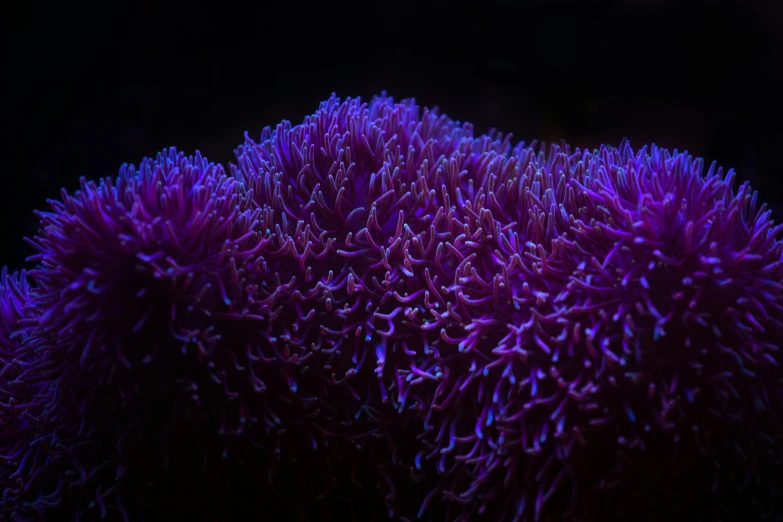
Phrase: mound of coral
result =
(375, 311)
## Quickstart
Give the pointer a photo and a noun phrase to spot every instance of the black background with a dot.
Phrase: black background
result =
(90, 87)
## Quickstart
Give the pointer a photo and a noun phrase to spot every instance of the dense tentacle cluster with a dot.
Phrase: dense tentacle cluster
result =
(126, 269)
(639, 306)
(498, 332)
(21, 399)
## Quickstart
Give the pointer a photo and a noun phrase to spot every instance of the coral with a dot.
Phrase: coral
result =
(122, 267)
(377, 298)
(22, 396)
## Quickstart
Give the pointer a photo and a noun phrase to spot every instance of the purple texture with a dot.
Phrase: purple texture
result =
(498, 332)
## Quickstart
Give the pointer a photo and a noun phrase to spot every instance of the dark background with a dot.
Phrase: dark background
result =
(88, 88)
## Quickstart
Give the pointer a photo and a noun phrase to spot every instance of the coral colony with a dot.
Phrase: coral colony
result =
(377, 306)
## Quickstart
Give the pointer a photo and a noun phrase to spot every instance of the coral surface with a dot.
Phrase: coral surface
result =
(375, 309)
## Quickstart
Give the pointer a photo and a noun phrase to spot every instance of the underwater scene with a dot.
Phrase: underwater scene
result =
(510, 261)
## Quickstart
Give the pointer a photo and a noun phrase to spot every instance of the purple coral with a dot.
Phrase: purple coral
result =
(21, 398)
(125, 268)
(497, 332)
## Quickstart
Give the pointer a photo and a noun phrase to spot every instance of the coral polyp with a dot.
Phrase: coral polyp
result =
(377, 297)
